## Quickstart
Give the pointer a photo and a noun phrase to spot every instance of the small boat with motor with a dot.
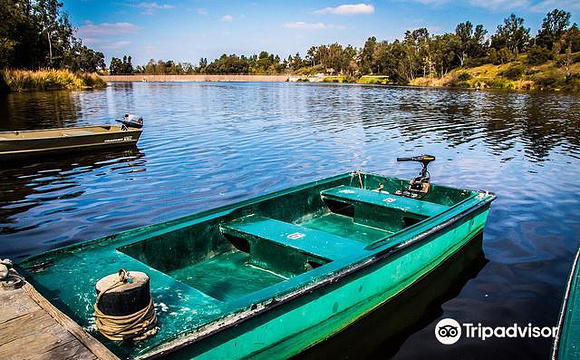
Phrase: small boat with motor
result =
(567, 341)
(33, 143)
(270, 276)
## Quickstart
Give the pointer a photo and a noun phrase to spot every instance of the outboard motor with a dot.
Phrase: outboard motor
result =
(132, 121)
(419, 186)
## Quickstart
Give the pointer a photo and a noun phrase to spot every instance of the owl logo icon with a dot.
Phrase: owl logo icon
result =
(448, 331)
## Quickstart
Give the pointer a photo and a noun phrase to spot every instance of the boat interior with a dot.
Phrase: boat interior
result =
(55, 133)
(252, 247)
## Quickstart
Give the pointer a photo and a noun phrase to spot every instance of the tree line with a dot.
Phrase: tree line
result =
(37, 34)
(419, 53)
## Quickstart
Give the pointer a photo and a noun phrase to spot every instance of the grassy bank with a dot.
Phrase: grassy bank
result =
(365, 79)
(50, 79)
(562, 74)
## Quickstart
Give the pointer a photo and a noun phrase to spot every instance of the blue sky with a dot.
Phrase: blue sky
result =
(186, 30)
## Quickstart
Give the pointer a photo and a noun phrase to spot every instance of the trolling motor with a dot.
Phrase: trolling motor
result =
(419, 186)
(131, 120)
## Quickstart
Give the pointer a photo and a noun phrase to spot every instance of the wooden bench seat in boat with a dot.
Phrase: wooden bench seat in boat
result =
(351, 194)
(319, 243)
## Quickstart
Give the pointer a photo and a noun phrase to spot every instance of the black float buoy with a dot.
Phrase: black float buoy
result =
(124, 306)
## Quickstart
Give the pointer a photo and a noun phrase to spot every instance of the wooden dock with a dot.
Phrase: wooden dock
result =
(32, 328)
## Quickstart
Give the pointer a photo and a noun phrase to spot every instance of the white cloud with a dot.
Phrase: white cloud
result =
(115, 45)
(434, 2)
(202, 11)
(227, 18)
(154, 5)
(506, 5)
(91, 30)
(547, 5)
(348, 9)
(500, 4)
(304, 26)
(151, 6)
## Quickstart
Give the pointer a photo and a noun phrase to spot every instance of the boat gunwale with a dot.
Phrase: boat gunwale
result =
(107, 132)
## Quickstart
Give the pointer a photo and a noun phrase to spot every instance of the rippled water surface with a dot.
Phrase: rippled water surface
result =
(210, 144)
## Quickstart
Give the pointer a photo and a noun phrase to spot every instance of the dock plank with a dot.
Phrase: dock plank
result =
(24, 325)
(34, 344)
(71, 350)
(13, 305)
(32, 328)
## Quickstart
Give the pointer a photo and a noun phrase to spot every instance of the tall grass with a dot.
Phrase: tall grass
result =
(48, 79)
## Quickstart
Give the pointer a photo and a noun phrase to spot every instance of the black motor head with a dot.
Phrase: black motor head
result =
(424, 159)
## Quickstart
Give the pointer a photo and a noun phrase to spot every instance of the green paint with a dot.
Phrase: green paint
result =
(245, 260)
(567, 343)
(345, 226)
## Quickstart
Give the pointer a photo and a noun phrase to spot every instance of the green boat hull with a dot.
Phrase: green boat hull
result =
(567, 342)
(271, 276)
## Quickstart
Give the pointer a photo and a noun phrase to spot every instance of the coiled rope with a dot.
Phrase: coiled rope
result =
(137, 326)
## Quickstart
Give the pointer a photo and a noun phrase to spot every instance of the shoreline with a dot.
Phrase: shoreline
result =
(200, 78)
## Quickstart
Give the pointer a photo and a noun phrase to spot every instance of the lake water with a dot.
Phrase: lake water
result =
(210, 144)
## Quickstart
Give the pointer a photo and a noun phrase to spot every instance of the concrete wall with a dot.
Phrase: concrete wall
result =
(263, 78)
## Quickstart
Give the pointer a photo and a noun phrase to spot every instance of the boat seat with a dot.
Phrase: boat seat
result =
(315, 242)
(351, 195)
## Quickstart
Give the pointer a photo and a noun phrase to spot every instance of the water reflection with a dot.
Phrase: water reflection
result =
(37, 110)
(60, 181)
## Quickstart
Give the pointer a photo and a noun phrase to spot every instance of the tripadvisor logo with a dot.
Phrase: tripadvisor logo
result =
(448, 331)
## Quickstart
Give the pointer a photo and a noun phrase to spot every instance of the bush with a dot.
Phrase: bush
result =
(548, 81)
(513, 72)
(465, 76)
(339, 79)
(374, 79)
(500, 56)
(538, 55)
(50, 79)
(497, 83)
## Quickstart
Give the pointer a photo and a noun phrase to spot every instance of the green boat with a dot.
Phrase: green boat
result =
(20, 144)
(567, 342)
(271, 276)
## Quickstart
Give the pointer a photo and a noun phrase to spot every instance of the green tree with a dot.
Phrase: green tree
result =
(116, 66)
(511, 34)
(471, 42)
(55, 28)
(81, 58)
(367, 56)
(571, 38)
(553, 28)
(295, 62)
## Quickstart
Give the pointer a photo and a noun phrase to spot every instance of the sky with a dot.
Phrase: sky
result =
(186, 30)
